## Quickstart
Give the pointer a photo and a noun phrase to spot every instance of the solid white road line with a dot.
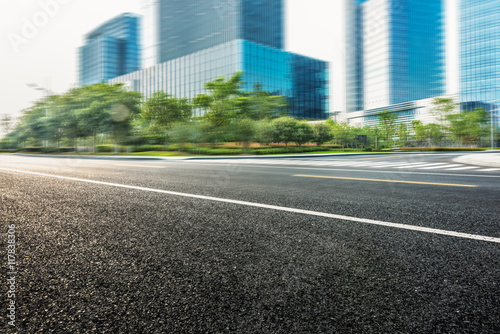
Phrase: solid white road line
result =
(274, 207)
(421, 165)
(463, 168)
(386, 165)
(443, 166)
(490, 170)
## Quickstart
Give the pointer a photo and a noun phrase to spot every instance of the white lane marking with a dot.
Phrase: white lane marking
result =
(386, 165)
(437, 167)
(489, 170)
(323, 163)
(274, 207)
(140, 166)
(463, 168)
(353, 170)
(420, 165)
(394, 164)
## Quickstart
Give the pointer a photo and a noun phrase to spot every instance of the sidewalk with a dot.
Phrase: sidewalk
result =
(488, 159)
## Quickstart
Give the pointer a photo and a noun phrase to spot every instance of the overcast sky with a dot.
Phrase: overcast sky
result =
(42, 49)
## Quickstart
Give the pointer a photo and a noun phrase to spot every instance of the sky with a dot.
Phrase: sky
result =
(39, 40)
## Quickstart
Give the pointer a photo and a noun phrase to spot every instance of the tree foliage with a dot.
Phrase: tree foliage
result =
(163, 110)
(322, 133)
(387, 124)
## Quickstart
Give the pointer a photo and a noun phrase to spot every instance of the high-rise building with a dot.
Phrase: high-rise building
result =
(201, 40)
(302, 80)
(395, 52)
(480, 54)
(188, 26)
(111, 50)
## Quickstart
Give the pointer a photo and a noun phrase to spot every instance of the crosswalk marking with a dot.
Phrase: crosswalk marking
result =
(463, 168)
(423, 165)
(443, 166)
(362, 164)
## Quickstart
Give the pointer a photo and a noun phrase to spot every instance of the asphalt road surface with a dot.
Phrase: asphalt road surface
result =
(399, 243)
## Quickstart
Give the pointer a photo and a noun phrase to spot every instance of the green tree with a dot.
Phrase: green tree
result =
(387, 125)
(81, 112)
(468, 127)
(403, 135)
(264, 132)
(443, 107)
(245, 131)
(322, 133)
(221, 104)
(429, 134)
(104, 108)
(343, 133)
(163, 110)
(260, 104)
(285, 130)
(419, 131)
(184, 132)
(211, 133)
(6, 123)
(304, 133)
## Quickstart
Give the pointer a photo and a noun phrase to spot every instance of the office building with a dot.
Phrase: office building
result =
(188, 26)
(303, 80)
(395, 52)
(199, 41)
(111, 50)
(420, 110)
(480, 54)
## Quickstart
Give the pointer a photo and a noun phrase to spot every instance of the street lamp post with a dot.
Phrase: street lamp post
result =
(47, 94)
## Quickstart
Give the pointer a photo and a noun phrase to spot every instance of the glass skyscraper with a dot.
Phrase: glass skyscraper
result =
(111, 50)
(188, 26)
(480, 54)
(201, 40)
(395, 52)
(302, 80)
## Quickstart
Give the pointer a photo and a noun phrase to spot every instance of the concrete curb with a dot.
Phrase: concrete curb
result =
(95, 157)
(488, 159)
(282, 156)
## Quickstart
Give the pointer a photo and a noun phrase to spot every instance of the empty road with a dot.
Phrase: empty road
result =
(389, 243)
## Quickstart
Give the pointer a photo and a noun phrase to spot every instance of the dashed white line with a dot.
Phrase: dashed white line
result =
(277, 208)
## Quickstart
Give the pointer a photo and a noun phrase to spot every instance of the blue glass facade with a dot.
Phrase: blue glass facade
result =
(188, 26)
(480, 54)
(354, 56)
(111, 50)
(303, 80)
(396, 52)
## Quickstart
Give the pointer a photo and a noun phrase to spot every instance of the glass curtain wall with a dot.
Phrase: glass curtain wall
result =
(480, 54)
(111, 50)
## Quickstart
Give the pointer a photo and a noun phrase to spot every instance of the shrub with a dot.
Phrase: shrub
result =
(322, 133)
(104, 148)
(147, 148)
(32, 149)
(264, 132)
